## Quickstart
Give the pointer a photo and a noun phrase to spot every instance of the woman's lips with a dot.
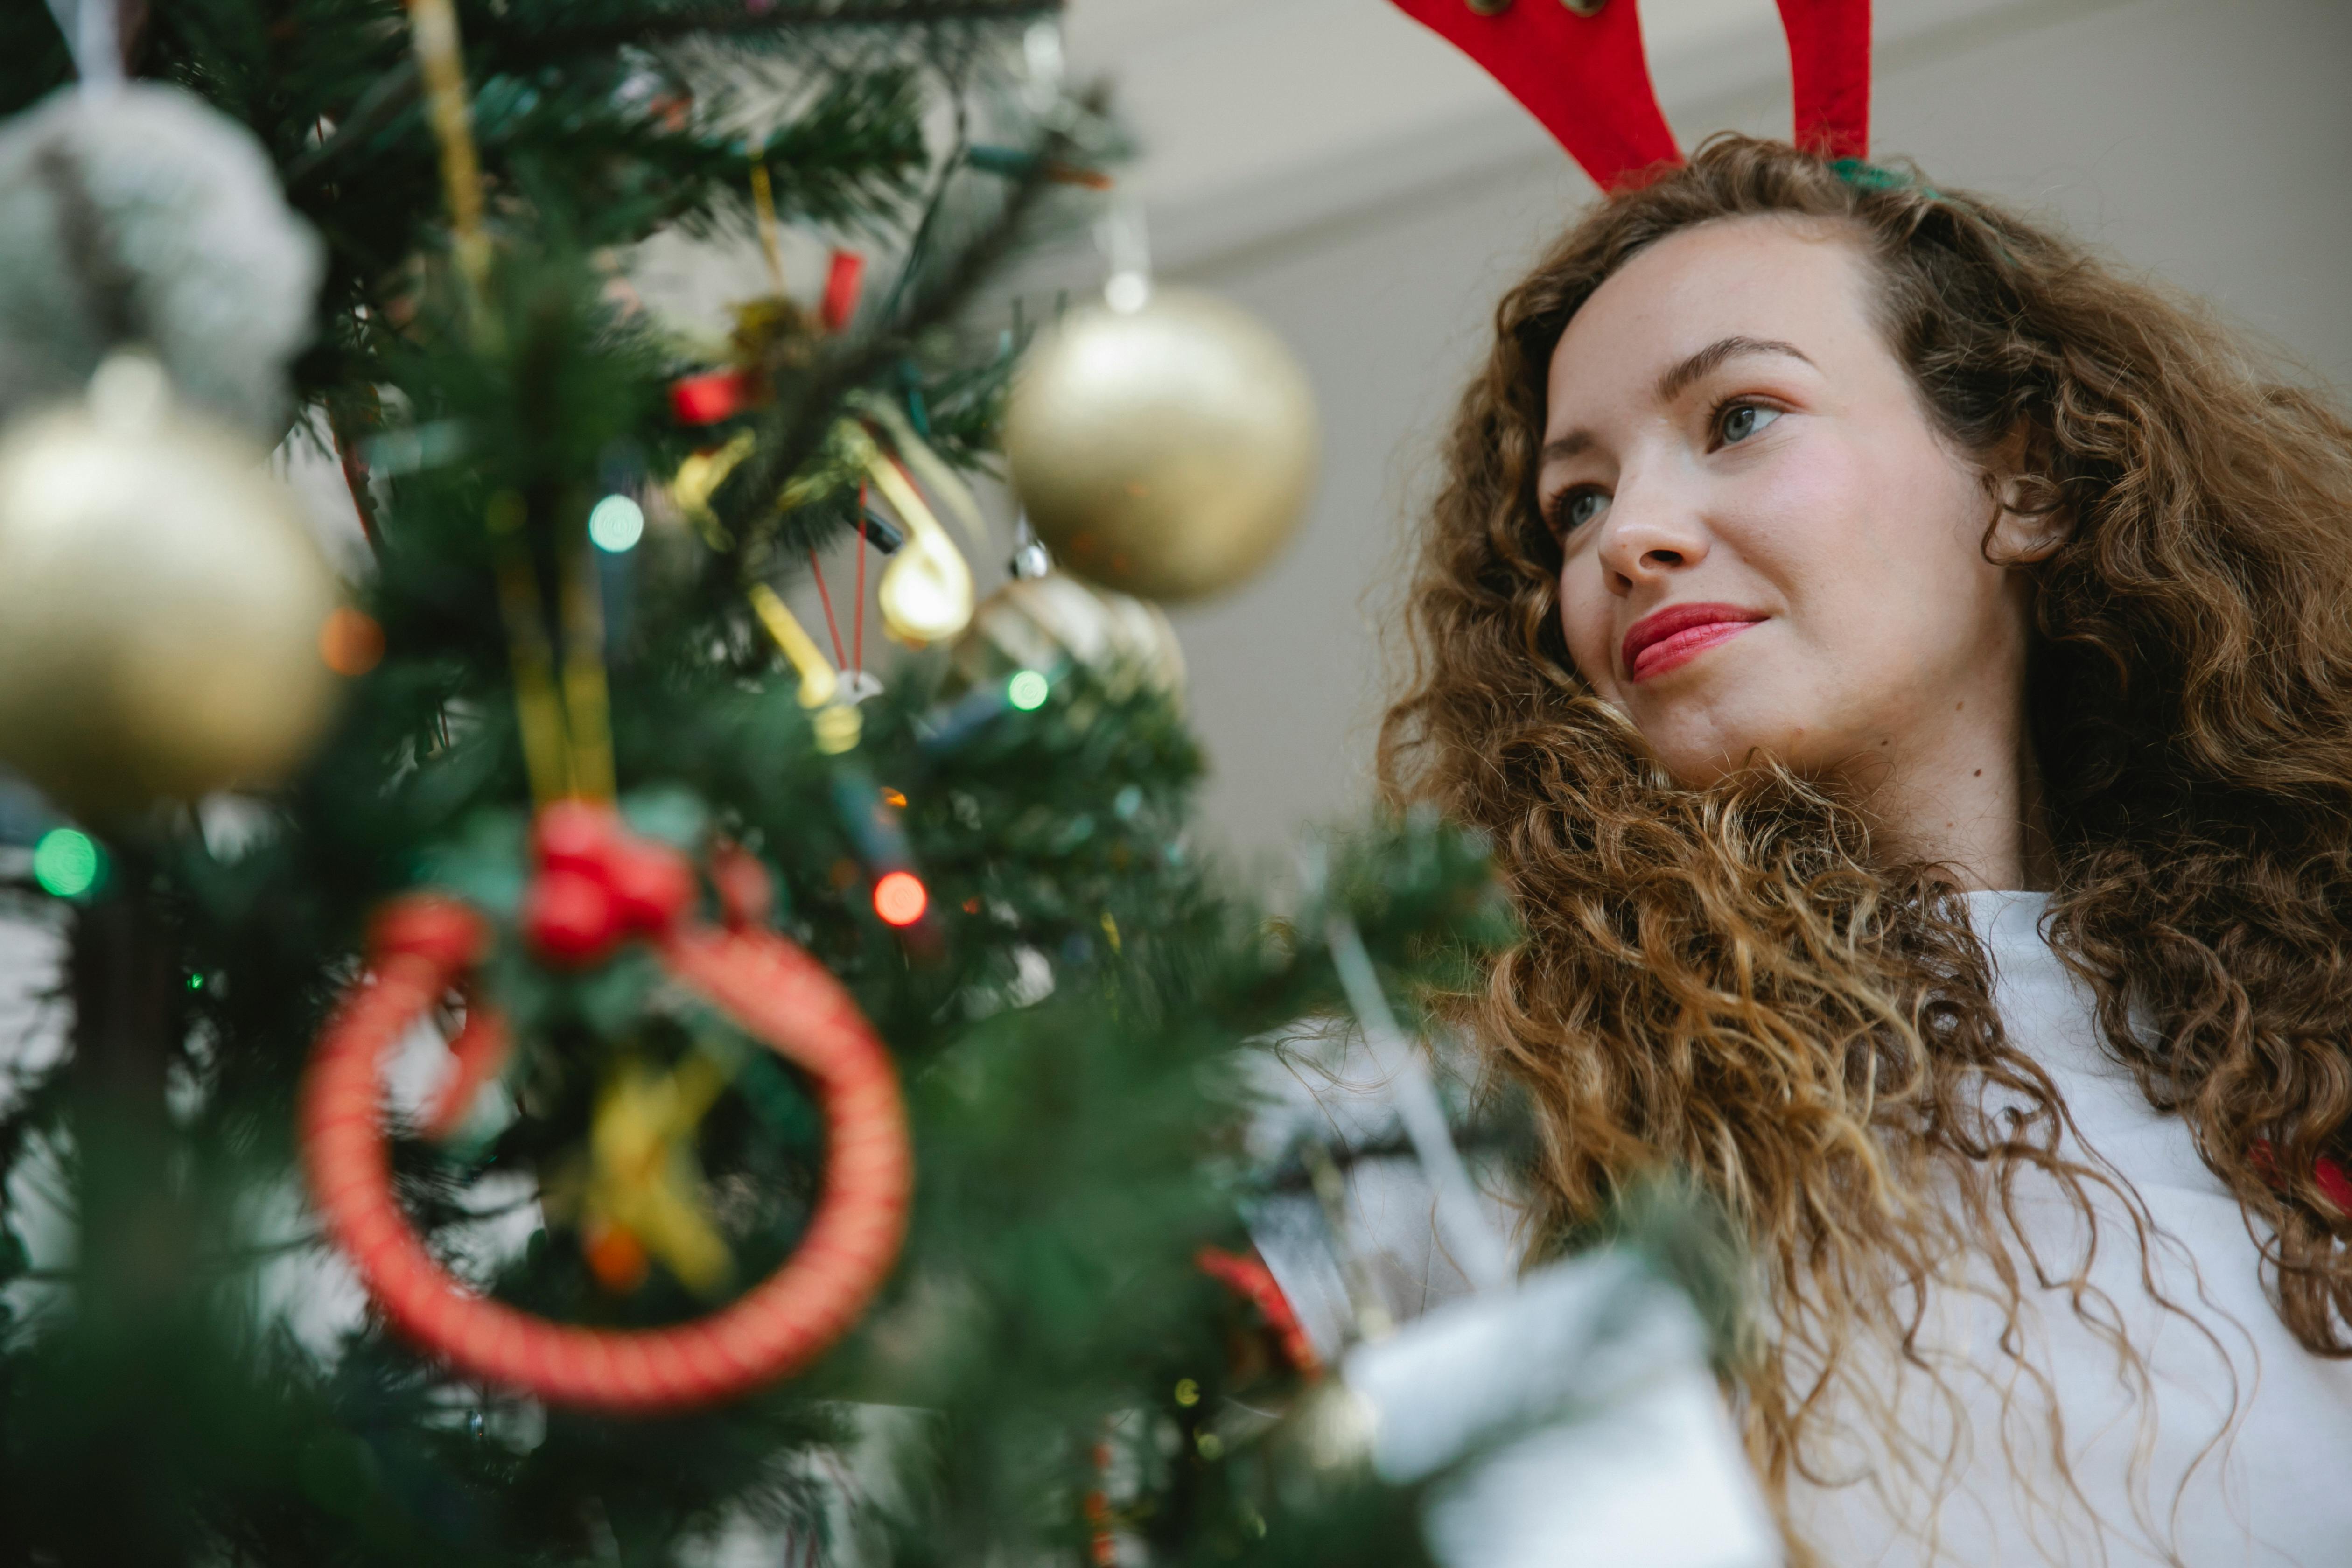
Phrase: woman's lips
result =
(1665, 639)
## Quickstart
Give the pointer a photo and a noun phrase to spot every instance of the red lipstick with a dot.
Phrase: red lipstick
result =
(1665, 639)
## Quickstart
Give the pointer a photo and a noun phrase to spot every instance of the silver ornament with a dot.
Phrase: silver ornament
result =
(142, 214)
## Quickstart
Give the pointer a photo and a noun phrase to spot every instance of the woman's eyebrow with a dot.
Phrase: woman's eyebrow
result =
(1563, 447)
(1679, 376)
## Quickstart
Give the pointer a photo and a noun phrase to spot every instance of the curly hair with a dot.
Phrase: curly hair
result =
(1727, 979)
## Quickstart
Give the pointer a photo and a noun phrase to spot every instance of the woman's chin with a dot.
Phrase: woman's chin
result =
(1701, 756)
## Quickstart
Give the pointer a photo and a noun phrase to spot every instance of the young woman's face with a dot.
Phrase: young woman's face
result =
(1767, 547)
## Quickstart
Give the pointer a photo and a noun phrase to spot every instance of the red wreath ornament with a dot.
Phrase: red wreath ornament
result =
(597, 887)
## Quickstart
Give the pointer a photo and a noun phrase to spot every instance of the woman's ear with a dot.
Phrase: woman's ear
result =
(2029, 519)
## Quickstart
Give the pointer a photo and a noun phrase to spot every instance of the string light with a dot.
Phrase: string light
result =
(901, 898)
(1127, 292)
(615, 524)
(1027, 690)
(350, 642)
(65, 863)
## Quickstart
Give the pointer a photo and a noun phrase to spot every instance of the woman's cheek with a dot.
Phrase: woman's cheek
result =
(1586, 621)
(1803, 534)
(1795, 515)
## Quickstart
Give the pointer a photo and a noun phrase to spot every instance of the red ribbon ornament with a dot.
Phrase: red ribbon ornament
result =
(610, 886)
(1250, 1278)
(713, 395)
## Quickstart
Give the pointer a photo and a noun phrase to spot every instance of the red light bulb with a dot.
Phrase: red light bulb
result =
(901, 898)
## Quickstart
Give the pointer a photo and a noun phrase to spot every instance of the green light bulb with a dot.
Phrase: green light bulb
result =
(1027, 690)
(66, 863)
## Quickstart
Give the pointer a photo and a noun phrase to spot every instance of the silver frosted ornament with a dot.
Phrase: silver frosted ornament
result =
(141, 214)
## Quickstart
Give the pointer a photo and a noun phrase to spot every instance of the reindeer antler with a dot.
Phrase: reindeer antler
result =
(1578, 67)
(1585, 77)
(1829, 74)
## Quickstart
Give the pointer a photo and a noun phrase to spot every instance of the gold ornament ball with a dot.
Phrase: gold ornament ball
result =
(161, 604)
(1167, 451)
(1042, 622)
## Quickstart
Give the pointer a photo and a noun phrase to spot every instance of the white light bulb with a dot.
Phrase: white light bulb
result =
(1127, 292)
(616, 524)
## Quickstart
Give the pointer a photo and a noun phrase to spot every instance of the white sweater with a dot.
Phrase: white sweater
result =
(2260, 1477)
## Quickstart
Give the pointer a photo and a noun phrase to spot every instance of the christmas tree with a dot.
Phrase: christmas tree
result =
(549, 1066)
(578, 796)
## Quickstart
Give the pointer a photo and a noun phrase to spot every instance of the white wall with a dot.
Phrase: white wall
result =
(1337, 170)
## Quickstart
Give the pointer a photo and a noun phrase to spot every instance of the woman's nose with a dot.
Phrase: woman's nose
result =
(1647, 535)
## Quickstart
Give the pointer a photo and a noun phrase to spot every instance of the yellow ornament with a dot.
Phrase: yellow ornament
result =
(926, 590)
(1045, 623)
(162, 604)
(644, 1181)
(1167, 450)
(698, 480)
(836, 720)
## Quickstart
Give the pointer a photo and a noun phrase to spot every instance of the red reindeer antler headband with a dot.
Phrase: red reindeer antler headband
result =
(1578, 65)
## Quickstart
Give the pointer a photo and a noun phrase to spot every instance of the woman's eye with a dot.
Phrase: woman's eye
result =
(1742, 420)
(1576, 509)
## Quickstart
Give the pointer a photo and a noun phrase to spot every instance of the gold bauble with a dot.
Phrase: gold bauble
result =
(1167, 451)
(161, 604)
(1045, 623)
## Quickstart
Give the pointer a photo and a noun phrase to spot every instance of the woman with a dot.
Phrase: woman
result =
(1906, 667)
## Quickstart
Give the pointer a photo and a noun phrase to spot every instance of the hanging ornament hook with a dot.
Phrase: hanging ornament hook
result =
(93, 34)
(1043, 58)
(763, 214)
(1126, 246)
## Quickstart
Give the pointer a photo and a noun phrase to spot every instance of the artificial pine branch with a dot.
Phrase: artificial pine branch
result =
(523, 41)
(806, 413)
